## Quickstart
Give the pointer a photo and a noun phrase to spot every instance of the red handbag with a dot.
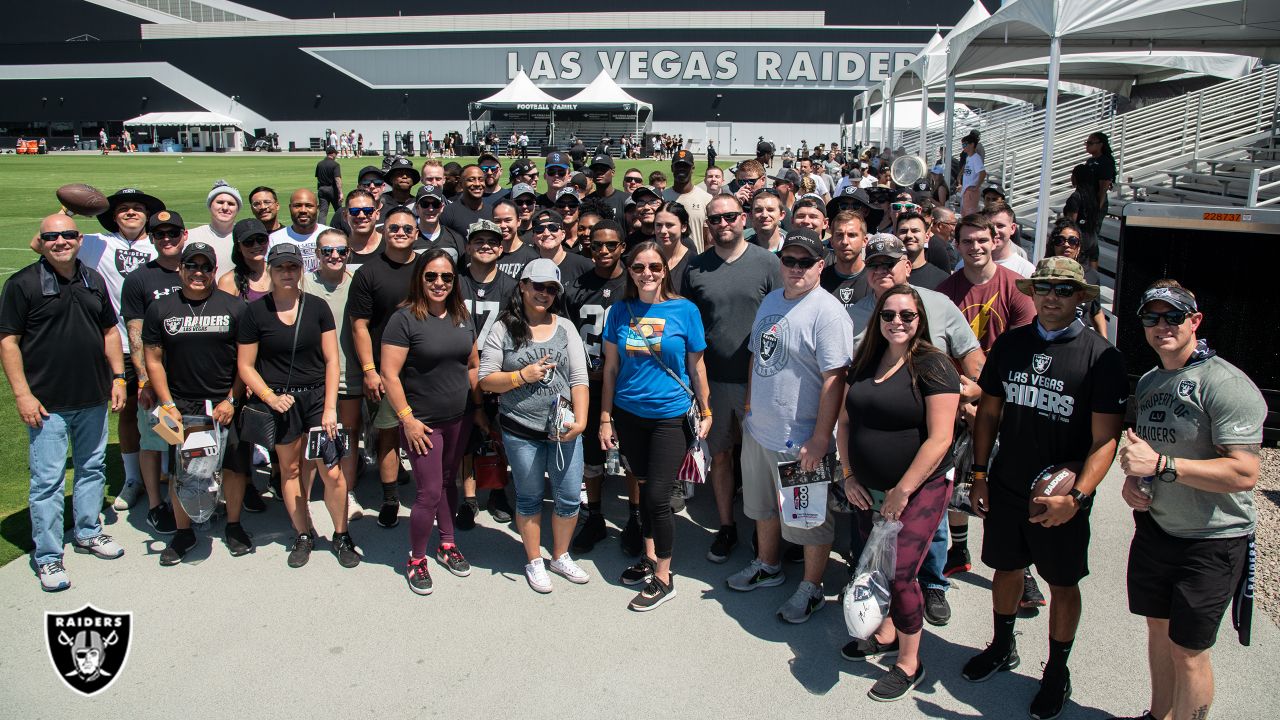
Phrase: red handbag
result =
(490, 466)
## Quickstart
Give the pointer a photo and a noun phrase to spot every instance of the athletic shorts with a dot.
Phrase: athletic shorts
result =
(760, 497)
(728, 409)
(130, 377)
(1010, 541)
(592, 455)
(305, 413)
(1187, 581)
(385, 417)
(236, 456)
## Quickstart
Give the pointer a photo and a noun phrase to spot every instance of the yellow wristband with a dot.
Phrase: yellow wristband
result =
(143, 383)
(516, 379)
(117, 381)
(706, 413)
(405, 412)
(267, 394)
(367, 367)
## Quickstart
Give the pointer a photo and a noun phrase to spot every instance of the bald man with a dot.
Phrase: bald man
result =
(304, 210)
(62, 355)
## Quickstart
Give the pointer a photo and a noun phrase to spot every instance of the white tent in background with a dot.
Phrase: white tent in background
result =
(519, 91)
(211, 130)
(904, 115)
(604, 93)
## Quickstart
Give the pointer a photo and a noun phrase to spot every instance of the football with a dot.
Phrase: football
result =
(82, 199)
(1053, 481)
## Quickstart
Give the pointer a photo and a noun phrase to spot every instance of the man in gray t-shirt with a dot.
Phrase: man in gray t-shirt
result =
(727, 282)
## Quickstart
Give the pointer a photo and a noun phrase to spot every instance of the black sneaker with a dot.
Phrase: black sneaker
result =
(957, 561)
(389, 513)
(178, 547)
(677, 496)
(466, 517)
(344, 548)
(937, 611)
(238, 541)
(895, 684)
(453, 561)
(1144, 716)
(725, 540)
(793, 554)
(300, 553)
(253, 502)
(419, 576)
(632, 540)
(498, 507)
(639, 572)
(591, 532)
(160, 518)
(654, 593)
(984, 665)
(1031, 595)
(1055, 689)
(868, 649)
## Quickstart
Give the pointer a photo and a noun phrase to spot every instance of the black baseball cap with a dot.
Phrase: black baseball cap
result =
(521, 167)
(682, 157)
(247, 228)
(645, 190)
(165, 217)
(805, 238)
(431, 191)
(371, 170)
(490, 156)
(787, 175)
(602, 159)
(557, 159)
(285, 252)
(192, 249)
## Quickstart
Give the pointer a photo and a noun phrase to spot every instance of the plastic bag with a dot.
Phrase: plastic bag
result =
(962, 450)
(697, 463)
(802, 494)
(199, 478)
(866, 599)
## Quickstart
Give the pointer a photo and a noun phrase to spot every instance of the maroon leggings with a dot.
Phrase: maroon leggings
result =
(436, 474)
(919, 523)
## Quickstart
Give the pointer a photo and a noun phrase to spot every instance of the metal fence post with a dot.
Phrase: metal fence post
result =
(1195, 149)
(1255, 179)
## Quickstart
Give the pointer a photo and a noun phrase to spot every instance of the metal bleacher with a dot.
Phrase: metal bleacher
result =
(589, 132)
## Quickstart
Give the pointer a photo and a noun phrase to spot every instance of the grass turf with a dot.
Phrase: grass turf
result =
(183, 182)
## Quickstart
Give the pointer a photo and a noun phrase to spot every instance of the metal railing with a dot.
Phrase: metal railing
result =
(1256, 186)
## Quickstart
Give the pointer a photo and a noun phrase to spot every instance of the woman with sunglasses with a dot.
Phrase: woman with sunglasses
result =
(671, 231)
(248, 278)
(548, 236)
(895, 435)
(534, 359)
(289, 359)
(428, 368)
(653, 370)
(1066, 240)
(364, 239)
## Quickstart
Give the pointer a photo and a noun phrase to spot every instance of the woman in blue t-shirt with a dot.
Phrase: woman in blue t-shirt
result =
(651, 338)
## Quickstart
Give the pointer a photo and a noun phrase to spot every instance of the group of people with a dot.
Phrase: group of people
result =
(597, 336)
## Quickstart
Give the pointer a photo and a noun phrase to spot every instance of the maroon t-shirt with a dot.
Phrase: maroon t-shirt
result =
(992, 307)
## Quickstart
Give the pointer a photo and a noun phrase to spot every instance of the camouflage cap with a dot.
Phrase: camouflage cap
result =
(483, 226)
(1058, 269)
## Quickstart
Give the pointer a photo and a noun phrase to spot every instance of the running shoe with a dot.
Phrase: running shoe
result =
(654, 593)
(957, 561)
(1144, 716)
(677, 496)
(389, 513)
(895, 684)
(355, 510)
(419, 575)
(536, 573)
(591, 532)
(1031, 595)
(868, 649)
(160, 518)
(565, 567)
(755, 575)
(937, 611)
(638, 573)
(179, 545)
(253, 502)
(300, 552)
(632, 540)
(453, 561)
(238, 541)
(984, 665)
(53, 576)
(101, 545)
(465, 519)
(804, 602)
(1055, 689)
(344, 548)
(128, 495)
(498, 507)
(725, 541)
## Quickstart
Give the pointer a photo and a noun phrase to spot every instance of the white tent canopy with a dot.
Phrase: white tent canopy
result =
(1119, 72)
(184, 119)
(605, 91)
(520, 90)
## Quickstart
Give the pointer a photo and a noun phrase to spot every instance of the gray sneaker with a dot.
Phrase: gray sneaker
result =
(806, 600)
(53, 577)
(128, 495)
(755, 575)
(101, 545)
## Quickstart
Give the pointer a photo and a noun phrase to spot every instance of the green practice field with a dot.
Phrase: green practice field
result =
(182, 181)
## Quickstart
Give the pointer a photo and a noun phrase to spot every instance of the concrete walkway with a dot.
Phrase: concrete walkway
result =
(248, 637)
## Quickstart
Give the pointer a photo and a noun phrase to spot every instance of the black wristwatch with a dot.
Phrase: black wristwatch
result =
(1170, 471)
(1083, 501)
(118, 376)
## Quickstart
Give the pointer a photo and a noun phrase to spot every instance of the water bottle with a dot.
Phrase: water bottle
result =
(1145, 485)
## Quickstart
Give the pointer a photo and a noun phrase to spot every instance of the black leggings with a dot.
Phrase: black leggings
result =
(655, 450)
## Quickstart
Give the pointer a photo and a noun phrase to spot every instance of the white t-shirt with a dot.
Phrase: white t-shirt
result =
(820, 185)
(114, 257)
(972, 168)
(222, 245)
(306, 243)
(867, 181)
(695, 203)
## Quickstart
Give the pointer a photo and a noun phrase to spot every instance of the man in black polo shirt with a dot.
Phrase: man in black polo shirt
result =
(329, 183)
(602, 173)
(62, 356)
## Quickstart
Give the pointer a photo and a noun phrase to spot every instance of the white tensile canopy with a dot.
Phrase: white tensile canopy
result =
(184, 119)
(604, 91)
(519, 91)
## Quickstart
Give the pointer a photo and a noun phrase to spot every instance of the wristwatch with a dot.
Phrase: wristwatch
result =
(1170, 471)
(118, 376)
(1083, 501)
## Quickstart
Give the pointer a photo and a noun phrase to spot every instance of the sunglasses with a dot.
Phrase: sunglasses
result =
(1172, 317)
(556, 172)
(254, 240)
(489, 168)
(883, 266)
(196, 267)
(908, 316)
(373, 183)
(904, 206)
(545, 288)
(632, 180)
(567, 206)
(358, 211)
(727, 218)
(795, 262)
(605, 245)
(1066, 240)
(546, 227)
(526, 203)
(444, 277)
(263, 204)
(486, 240)
(1062, 290)
(339, 251)
(432, 205)
(655, 268)
(170, 234)
(392, 229)
(53, 235)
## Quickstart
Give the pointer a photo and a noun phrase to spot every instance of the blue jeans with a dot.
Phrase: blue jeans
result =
(931, 571)
(532, 460)
(85, 431)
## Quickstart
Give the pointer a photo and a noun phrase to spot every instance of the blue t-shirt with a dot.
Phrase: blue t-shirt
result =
(674, 329)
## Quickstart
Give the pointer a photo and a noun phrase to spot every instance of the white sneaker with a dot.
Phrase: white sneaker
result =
(565, 567)
(101, 545)
(53, 577)
(806, 600)
(128, 495)
(755, 575)
(355, 510)
(536, 573)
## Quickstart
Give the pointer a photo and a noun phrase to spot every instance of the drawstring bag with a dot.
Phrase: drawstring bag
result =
(866, 599)
(490, 466)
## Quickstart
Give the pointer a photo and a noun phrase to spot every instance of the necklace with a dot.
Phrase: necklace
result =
(191, 312)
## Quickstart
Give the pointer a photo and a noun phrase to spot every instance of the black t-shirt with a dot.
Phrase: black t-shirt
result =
(617, 201)
(588, 299)
(928, 276)
(63, 351)
(327, 173)
(458, 216)
(449, 239)
(941, 254)
(638, 236)
(888, 421)
(199, 342)
(572, 266)
(355, 261)
(435, 370)
(1050, 389)
(144, 286)
(848, 289)
(1087, 309)
(485, 300)
(261, 325)
(513, 263)
(377, 289)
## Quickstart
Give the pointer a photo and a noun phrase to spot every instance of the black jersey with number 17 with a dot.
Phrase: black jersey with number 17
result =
(484, 300)
(588, 298)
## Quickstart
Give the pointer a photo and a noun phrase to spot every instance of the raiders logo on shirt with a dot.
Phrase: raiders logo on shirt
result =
(129, 260)
(1040, 363)
(1186, 387)
(846, 295)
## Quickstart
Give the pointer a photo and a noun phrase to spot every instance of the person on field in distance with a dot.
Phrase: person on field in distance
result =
(1052, 393)
(61, 351)
(1195, 449)
(328, 183)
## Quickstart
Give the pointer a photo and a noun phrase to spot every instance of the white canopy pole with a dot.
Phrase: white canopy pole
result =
(1046, 158)
(884, 118)
(889, 119)
(949, 128)
(866, 119)
(924, 120)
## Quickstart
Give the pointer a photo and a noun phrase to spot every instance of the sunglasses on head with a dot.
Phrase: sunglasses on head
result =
(726, 218)
(1064, 289)
(358, 211)
(652, 267)
(1172, 317)
(169, 234)
(547, 288)
(55, 234)
(444, 277)
(197, 267)
(392, 229)
(339, 251)
(907, 316)
(605, 245)
(795, 262)
(546, 227)
(1070, 240)
(254, 240)
(373, 183)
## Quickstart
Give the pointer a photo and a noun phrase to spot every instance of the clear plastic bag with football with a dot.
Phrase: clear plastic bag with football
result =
(866, 599)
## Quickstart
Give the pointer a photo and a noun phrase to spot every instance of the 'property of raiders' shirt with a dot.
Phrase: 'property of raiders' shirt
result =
(1050, 390)
(484, 300)
(199, 342)
(588, 298)
(114, 257)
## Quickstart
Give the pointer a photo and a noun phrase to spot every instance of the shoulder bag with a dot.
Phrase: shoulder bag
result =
(258, 426)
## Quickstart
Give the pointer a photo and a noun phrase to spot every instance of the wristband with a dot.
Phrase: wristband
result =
(606, 422)
(143, 383)
(168, 405)
(516, 379)
(118, 381)
(705, 413)
(978, 474)
(367, 367)
(404, 412)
